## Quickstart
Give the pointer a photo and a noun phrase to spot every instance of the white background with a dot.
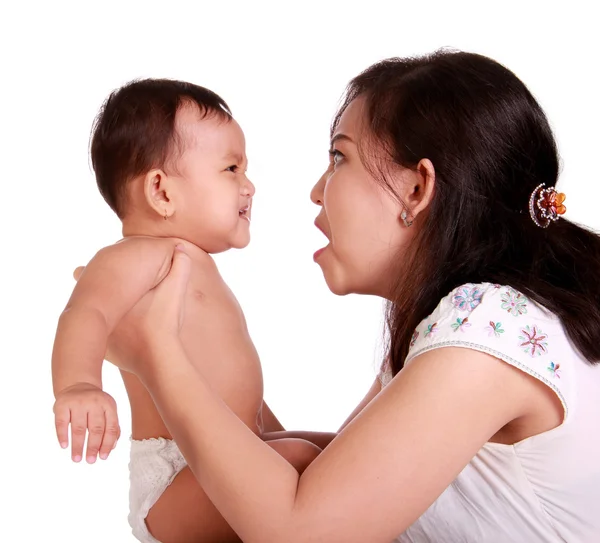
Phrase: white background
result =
(282, 68)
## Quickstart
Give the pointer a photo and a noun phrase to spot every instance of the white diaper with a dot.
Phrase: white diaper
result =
(153, 465)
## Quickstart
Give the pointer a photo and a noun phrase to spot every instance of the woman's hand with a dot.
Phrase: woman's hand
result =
(165, 304)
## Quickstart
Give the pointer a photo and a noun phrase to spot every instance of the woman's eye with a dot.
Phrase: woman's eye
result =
(232, 169)
(336, 156)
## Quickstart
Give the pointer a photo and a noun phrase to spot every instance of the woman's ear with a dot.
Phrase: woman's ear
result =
(419, 188)
(158, 191)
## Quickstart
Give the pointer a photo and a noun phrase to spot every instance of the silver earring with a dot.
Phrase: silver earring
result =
(404, 217)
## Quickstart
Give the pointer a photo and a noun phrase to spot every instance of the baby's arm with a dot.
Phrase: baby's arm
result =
(111, 284)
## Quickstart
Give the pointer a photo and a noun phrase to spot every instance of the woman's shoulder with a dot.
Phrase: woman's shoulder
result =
(492, 315)
(495, 306)
(501, 321)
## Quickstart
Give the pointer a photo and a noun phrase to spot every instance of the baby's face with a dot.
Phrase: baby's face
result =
(214, 196)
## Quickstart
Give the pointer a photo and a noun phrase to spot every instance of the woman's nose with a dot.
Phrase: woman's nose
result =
(316, 194)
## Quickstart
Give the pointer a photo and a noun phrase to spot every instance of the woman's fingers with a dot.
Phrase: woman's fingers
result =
(180, 272)
(170, 294)
(77, 273)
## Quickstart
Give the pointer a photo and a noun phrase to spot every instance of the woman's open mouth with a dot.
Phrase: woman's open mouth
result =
(244, 213)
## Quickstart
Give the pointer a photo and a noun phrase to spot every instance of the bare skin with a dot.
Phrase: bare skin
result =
(352, 490)
(391, 461)
(207, 202)
(183, 513)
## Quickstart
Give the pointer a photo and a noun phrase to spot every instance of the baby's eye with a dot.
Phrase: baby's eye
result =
(232, 169)
(335, 155)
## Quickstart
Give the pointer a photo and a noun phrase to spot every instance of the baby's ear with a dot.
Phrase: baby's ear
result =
(77, 273)
(157, 190)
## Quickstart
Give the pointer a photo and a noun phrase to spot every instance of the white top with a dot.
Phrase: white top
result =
(545, 488)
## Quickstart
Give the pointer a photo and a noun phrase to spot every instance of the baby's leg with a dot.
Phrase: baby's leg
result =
(298, 452)
(185, 514)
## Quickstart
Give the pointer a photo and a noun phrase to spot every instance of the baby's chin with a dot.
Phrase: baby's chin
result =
(216, 248)
(242, 244)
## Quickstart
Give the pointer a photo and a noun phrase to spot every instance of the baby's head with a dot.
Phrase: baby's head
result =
(170, 161)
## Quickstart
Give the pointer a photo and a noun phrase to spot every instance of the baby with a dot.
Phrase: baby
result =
(170, 161)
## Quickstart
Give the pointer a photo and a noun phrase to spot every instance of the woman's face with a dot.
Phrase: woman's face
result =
(359, 217)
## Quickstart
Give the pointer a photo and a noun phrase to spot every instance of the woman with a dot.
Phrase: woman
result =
(440, 198)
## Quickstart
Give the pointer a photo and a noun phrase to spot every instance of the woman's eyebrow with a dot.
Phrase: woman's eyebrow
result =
(341, 136)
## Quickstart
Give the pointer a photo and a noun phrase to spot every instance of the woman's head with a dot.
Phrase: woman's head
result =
(363, 221)
(458, 143)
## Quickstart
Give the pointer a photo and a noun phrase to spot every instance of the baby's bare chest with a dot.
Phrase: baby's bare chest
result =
(216, 339)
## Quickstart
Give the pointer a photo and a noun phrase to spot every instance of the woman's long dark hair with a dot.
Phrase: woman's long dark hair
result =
(491, 145)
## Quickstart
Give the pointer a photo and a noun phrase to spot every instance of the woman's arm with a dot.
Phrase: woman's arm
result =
(269, 422)
(373, 391)
(378, 476)
(323, 439)
(272, 429)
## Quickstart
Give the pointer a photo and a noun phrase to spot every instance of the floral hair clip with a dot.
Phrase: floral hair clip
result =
(546, 205)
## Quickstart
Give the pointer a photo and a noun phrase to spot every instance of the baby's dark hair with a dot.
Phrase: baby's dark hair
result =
(134, 131)
(491, 145)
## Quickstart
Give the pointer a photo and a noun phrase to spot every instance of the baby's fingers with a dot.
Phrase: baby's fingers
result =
(62, 417)
(96, 425)
(78, 431)
(112, 432)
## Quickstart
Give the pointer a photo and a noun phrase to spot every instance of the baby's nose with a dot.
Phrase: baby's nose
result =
(248, 188)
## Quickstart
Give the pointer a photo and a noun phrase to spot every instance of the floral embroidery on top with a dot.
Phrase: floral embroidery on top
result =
(414, 338)
(554, 369)
(461, 324)
(467, 298)
(431, 329)
(533, 341)
(494, 329)
(514, 302)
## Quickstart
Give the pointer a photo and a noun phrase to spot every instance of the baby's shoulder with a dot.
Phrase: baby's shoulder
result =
(142, 243)
(131, 260)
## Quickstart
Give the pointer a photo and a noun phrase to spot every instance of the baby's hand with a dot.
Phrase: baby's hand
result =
(87, 407)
